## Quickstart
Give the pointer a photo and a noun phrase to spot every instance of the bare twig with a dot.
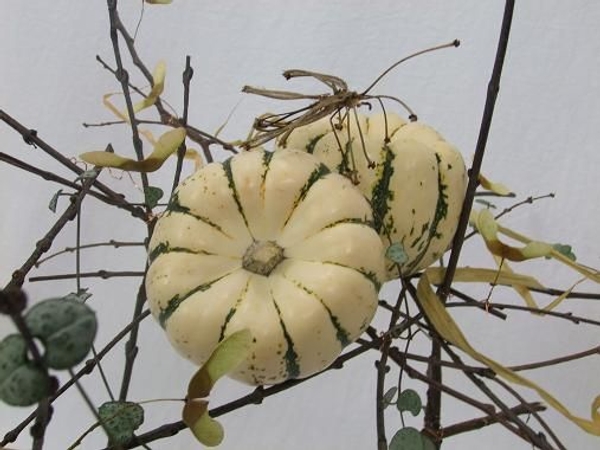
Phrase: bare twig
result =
(104, 274)
(30, 136)
(480, 422)
(433, 408)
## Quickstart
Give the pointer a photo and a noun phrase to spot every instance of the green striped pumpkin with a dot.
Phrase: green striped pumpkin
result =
(271, 242)
(416, 187)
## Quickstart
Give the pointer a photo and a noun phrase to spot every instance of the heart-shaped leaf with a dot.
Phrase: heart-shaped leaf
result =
(409, 400)
(120, 420)
(153, 195)
(66, 327)
(407, 439)
(396, 253)
(21, 382)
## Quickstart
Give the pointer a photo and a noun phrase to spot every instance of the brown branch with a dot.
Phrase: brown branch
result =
(254, 398)
(433, 407)
(104, 274)
(541, 421)
(123, 77)
(481, 422)
(49, 176)
(562, 315)
(44, 244)
(30, 136)
(111, 243)
(526, 431)
(188, 73)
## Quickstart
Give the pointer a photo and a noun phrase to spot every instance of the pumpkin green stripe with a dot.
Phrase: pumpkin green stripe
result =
(352, 220)
(231, 181)
(380, 194)
(267, 157)
(310, 147)
(164, 248)
(315, 176)
(233, 310)
(172, 305)
(176, 207)
(441, 211)
(341, 334)
(291, 357)
(371, 276)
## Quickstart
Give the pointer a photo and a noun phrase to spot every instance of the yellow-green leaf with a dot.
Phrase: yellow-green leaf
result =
(207, 430)
(166, 145)
(158, 85)
(489, 228)
(496, 188)
(449, 330)
(230, 352)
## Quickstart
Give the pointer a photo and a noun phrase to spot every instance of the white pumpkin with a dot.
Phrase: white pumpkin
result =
(416, 187)
(271, 242)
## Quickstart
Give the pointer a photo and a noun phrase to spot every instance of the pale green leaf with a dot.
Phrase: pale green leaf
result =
(497, 188)
(158, 85)
(207, 430)
(230, 352)
(166, 145)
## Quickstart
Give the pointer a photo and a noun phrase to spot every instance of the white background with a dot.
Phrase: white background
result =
(544, 138)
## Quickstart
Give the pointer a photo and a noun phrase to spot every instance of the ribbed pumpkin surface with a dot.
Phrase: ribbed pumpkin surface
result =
(224, 222)
(416, 187)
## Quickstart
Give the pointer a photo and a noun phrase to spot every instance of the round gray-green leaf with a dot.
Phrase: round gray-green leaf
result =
(21, 383)
(409, 400)
(407, 439)
(396, 253)
(121, 419)
(67, 329)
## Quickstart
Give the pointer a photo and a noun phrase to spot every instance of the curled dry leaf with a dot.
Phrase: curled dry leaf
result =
(225, 357)
(166, 145)
(450, 331)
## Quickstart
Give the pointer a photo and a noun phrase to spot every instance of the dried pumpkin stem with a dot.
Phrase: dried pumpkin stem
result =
(262, 257)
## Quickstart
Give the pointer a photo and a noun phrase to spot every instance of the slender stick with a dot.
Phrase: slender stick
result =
(188, 73)
(103, 274)
(433, 408)
(480, 422)
(30, 136)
